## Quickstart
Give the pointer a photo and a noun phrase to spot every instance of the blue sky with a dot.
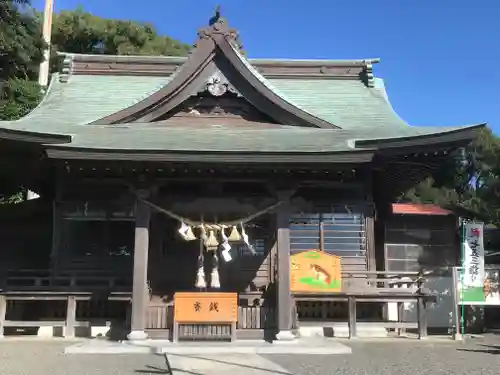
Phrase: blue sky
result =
(439, 58)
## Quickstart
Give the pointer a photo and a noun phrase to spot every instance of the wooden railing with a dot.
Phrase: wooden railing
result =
(249, 317)
(378, 286)
(66, 318)
(26, 279)
(256, 317)
(357, 287)
(160, 316)
(381, 281)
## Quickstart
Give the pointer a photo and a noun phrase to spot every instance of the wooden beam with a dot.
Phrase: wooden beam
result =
(193, 156)
(140, 287)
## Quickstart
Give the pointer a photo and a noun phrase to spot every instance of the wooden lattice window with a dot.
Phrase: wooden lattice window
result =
(339, 232)
(96, 229)
(415, 242)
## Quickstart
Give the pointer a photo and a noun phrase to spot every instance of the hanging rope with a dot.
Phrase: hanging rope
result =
(215, 282)
(201, 282)
(211, 226)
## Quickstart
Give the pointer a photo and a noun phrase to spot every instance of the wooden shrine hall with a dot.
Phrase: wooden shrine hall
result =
(208, 197)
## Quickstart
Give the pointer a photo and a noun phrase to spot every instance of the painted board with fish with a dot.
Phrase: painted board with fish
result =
(315, 271)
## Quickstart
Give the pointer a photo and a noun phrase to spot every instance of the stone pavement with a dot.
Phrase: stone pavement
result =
(47, 358)
(229, 364)
(479, 356)
(301, 346)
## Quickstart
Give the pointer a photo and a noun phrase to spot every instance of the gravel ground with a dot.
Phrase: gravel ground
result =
(47, 358)
(479, 356)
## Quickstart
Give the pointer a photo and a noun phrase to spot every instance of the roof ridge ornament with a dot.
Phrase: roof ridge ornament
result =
(217, 84)
(216, 16)
(218, 25)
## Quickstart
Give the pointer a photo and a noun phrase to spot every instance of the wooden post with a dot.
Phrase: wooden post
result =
(175, 334)
(284, 298)
(351, 311)
(321, 235)
(367, 174)
(370, 241)
(140, 290)
(70, 317)
(233, 331)
(3, 312)
(422, 317)
(401, 313)
(457, 335)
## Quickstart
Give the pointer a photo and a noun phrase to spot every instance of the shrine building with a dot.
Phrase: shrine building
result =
(174, 189)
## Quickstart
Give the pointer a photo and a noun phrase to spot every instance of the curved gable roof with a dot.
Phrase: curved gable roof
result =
(217, 48)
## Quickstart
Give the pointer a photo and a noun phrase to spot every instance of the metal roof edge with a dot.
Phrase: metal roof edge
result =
(34, 137)
(182, 59)
(462, 133)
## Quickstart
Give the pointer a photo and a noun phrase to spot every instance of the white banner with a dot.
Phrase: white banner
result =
(473, 259)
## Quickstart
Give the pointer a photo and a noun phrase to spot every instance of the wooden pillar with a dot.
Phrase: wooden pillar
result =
(284, 297)
(370, 241)
(140, 282)
(55, 253)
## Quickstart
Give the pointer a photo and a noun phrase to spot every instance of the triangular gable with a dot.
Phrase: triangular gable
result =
(216, 65)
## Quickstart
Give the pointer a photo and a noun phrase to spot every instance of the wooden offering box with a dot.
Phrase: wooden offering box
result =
(205, 308)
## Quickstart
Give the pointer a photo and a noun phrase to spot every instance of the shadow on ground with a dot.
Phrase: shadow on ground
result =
(488, 349)
(157, 370)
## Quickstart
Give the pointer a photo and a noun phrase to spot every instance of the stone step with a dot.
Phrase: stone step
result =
(320, 346)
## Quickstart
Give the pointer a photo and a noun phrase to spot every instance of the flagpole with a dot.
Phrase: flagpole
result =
(43, 70)
(462, 277)
(43, 73)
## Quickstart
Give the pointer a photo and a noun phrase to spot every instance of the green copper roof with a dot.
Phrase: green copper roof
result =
(349, 104)
(83, 99)
(284, 139)
(213, 140)
(362, 113)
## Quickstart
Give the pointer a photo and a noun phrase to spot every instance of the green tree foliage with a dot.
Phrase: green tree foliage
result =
(21, 51)
(21, 47)
(81, 32)
(470, 181)
(18, 98)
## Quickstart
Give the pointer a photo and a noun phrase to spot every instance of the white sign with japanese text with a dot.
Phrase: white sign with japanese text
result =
(473, 259)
